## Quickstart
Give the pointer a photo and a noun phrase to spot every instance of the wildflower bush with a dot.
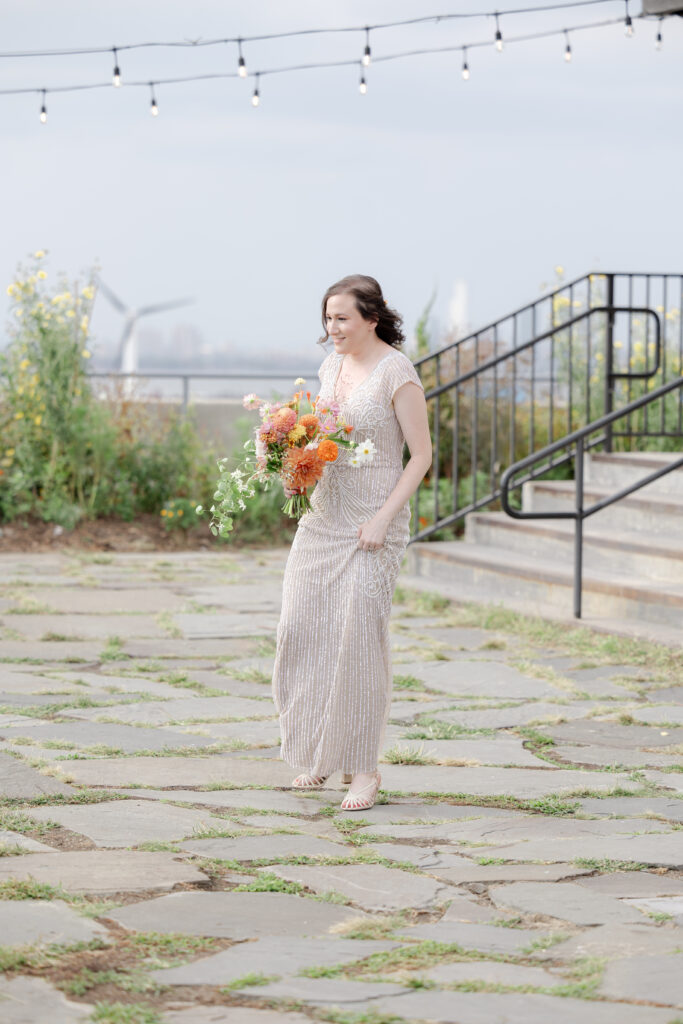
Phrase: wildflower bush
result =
(65, 454)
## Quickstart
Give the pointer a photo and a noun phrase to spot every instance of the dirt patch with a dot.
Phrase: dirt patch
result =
(63, 839)
(145, 533)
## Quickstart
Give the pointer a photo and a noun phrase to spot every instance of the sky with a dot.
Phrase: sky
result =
(468, 191)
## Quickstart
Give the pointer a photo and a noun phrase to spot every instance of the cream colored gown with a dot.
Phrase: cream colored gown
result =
(332, 675)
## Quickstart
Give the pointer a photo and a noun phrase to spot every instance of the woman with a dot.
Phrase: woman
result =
(332, 675)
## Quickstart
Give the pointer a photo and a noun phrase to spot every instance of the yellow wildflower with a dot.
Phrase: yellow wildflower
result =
(39, 255)
(88, 292)
(70, 313)
(84, 323)
(559, 270)
(20, 390)
(637, 346)
(9, 451)
(18, 311)
(18, 415)
(599, 356)
(10, 289)
(41, 274)
(170, 515)
(37, 420)
(180, 511)
(617, 344)
(24, 363)
(85, 354)
(163, 511)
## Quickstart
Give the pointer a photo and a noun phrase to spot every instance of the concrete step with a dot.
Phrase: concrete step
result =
(625, 552)
(620, 469)
(639, 629)
(656, 515)
(477, 572)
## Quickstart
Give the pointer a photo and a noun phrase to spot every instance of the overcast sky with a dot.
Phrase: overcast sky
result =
(424, 181)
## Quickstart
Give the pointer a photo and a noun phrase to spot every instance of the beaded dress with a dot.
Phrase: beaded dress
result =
(332, 674)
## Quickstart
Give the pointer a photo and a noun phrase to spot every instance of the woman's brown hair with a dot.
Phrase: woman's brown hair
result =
(371, 305)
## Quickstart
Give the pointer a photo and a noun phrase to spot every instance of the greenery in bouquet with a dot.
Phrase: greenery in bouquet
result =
(292, 445)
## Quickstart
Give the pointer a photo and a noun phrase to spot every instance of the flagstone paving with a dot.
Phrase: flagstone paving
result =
(527, 834)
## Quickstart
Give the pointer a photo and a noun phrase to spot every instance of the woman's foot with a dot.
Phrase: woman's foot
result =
(364, 795)
(307, 781)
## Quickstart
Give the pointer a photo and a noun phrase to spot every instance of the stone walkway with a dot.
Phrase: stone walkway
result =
(522, 866)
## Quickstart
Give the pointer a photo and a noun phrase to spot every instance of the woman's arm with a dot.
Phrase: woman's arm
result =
(411, 412)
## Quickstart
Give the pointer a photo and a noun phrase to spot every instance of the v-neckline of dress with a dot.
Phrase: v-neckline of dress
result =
(360, 384)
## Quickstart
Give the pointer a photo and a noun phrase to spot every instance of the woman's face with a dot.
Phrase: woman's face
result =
(346, 327)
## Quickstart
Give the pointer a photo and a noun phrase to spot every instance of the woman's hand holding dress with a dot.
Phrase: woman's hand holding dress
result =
(371, 535)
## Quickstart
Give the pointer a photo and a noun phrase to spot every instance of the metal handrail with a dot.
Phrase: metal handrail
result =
(579, 513)
(610, 376)
(187, 377)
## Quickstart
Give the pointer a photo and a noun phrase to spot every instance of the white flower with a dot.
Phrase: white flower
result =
(241, 504)
(237, 474)
(354, 460)
(311, 445)
(199, 509)
(299, 382)
(366, 450)
(250, 401)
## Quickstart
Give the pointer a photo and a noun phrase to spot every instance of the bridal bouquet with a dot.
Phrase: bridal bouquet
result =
(293, 443)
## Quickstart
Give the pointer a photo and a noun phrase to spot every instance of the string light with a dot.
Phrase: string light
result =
(154, 110)
(658, 37)
(543, 34)
(366, 55)
(43, 111)
(241, 65)
(568, 49)
(628, 24)
(117, 73)
(363, 87)
(499, 36)
(256, 99)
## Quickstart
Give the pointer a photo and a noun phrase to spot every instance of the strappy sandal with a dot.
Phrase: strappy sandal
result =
(358, 802)
(307, 781)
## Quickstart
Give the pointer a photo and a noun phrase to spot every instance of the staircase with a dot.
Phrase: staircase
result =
(555, 386)
(633, 552)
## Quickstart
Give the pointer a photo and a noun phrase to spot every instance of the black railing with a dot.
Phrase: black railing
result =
(577, 443)
(540, 373)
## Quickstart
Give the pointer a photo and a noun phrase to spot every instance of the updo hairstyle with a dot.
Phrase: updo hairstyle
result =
(371, 305)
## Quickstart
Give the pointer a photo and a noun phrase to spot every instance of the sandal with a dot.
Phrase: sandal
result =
(357, 802)
(307, 781)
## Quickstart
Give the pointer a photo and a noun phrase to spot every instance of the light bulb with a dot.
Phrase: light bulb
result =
(255, 99)
(568, 53)
(465, 71)
(154, 110)
(366, 55)
(43, 114)
(363, 86)
(628, 25)
(242, 68)
(117, 76)
(499, 41)
(658, 40)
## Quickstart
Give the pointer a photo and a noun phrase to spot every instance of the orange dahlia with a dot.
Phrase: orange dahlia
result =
(310, 422)
(327, 450)
(301, 469)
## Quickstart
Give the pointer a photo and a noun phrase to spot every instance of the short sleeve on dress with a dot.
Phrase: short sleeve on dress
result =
(324, 368)
(400, 371)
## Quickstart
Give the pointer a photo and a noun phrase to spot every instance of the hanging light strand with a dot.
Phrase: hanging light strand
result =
(153, 109)
(43, 110)
(404, 54)
(628, 22)
(197, 43)
(465, 65)
(568, 48)
(256, 98)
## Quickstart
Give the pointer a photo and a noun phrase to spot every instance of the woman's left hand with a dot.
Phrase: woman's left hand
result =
(371, 535)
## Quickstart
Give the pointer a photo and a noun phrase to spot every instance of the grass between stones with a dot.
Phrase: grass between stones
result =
(555, 804)
(249, 980)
